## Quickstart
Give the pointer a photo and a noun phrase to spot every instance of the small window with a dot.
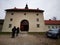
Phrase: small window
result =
(52, 26)
(37, 19)
(38, 25)
(12, 13)
(48, 26)
(24, 13)
(11, 19)
(37, 14)
(56, 26)
(10, 25)
(59, 26)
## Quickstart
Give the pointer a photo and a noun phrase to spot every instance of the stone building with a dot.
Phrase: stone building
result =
(30, 20)
(49, 24)
(52, 24)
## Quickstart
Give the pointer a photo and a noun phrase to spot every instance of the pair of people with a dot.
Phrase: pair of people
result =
(15, 31)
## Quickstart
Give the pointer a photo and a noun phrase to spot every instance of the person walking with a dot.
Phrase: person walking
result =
(13, 31)
(17, 31)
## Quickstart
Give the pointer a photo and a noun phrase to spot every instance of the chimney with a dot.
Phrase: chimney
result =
(26, 7)
(49, 19)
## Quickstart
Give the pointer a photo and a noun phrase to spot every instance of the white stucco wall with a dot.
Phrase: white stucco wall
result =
(48, 27)
(19, 16)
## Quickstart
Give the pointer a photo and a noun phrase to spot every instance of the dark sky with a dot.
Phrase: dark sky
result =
(51, 7)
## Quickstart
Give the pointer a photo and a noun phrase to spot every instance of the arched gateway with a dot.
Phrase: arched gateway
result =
(24, 25)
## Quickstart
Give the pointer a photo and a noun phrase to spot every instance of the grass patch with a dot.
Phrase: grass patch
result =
(5, 32)
(41, 33)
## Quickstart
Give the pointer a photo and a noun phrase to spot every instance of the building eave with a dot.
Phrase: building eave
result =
(25, 10)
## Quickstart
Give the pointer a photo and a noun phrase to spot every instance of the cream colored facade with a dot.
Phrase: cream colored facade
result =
(31, 17)
(32, 22)
(52, 27)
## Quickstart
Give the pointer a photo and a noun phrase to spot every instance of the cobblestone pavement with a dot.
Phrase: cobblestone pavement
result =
(26, 39)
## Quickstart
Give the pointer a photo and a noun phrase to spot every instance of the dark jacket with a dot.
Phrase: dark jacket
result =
(17, 30)
(14, 29)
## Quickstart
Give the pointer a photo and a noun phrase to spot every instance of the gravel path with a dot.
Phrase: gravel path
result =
(26, 39)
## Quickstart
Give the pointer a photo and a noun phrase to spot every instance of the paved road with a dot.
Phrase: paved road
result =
(26, 39)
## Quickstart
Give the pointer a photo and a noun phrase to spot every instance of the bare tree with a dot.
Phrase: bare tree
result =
(54, 18)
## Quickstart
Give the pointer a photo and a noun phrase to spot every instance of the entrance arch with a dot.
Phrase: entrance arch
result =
(24, 25)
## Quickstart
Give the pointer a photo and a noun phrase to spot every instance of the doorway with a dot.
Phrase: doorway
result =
(24, 25)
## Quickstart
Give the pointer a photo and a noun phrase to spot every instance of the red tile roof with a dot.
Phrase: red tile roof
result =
(28, 10)
(52, 22)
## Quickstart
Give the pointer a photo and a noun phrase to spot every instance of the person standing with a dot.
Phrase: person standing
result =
(13, 31)
(17, 31)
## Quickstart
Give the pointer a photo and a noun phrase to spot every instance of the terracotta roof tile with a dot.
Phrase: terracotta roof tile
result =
(52, 22)
(30, 10)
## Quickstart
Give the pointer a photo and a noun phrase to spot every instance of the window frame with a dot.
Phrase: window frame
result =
(11, 19)
(37, 14)
(12, 13)
(38, 25)
(53, 27)
(37, 19)
(10, 25)
(49, 27)
(24, 13)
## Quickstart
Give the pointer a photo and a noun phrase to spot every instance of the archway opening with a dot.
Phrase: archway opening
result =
(24, 25)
